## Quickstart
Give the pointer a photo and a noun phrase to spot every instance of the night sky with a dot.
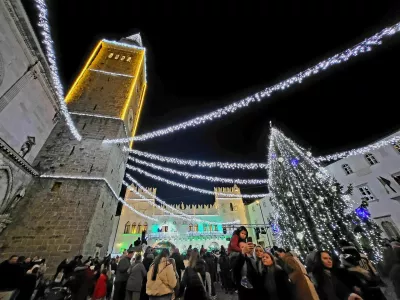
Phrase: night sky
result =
(203, 55)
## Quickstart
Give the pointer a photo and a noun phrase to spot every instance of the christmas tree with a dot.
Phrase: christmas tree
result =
(310, 207)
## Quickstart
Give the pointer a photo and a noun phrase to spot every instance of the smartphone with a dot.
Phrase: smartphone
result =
(249, 239)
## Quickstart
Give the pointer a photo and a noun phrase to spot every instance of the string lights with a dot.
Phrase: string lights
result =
(109, 186)
(198, 176)
(336, 59)
(111, 73)
(51, 58)
(197, 163)
(162, 202)
(191, 188)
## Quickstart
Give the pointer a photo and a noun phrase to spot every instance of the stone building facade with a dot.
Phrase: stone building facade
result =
(70, 188)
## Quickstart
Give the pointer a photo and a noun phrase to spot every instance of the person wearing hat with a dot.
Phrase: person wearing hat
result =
(122, 275)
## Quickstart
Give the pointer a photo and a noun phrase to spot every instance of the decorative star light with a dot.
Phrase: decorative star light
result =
(294, 162)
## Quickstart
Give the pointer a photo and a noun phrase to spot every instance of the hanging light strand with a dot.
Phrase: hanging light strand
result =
(198, 176)
(342, 57)
(191, 188)
(51, 58)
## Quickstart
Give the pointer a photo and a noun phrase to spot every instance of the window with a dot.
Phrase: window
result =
(190, 227)
(129, 59)
(231, 206)
(397, 146)
(196, 227)
(122, 58)
(264, 204)
(253, 209)
(396, 177)
(139, 228)
(390, 229)
(127, 227)
(165, 228)
(211, 227)
(117, 56)
(56, 186)
(347, 169)
(215, 227)
(133, 230)
(371, 159)
(110, 55)
(366, 193)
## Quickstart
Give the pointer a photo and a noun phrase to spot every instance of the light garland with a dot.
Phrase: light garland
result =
(341, 57)
(51, 58)
(191, 188)
(198, 176)
(111, 73)
(109, 186)
(197, 163)
(357, 151)
(180, 215)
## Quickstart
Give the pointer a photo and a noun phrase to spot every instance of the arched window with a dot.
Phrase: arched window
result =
(215, 227)
(133, 230)
(127, 228)
(145, 226)
(139, 228)
(211, 227)
(190, 227)
(346, 168)
(196, 227)
(390, 230)
(371, 159)
(110, 55)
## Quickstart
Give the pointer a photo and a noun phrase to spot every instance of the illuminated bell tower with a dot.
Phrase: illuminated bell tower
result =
(230, 208)
(70, 209)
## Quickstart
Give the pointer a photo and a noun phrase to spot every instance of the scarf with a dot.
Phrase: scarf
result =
(270, 284)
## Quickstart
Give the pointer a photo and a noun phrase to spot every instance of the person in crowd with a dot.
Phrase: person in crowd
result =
(135, 281)
(394, 269)
(245, 259)
(110, 283)
(60, 268)
(275, 284)
(327, 283)
(310, 258)
(234, 249)
(298, 276)
(226, 278)
(202, 250)
(146, 263)
(11, 274)
(70, 267)
(28, 284)
(161, 278)
(196, 282)
(100, 290)
(212, 270)
(122, 275)
(27, 264)
(180, 266)
(258, 256)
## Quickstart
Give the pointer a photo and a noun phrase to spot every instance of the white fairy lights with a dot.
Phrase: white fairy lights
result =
(191, 188)
(109, 186)
(179, 214)
(198, 176)
(339, 58)
(198, 163)
(51, 57)
(111, 73)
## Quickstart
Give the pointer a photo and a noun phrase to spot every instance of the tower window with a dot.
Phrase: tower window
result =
(397, 146)
(122, 58)
(129, 59)
(133, 230)
(110, 55)
(117, 56)
(127, 227)
(231, 206)
(366, 193)
(347, 169)
(371, 159)
(56, 186)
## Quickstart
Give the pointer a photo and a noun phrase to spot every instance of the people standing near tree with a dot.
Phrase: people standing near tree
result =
(121, 277)
(305, 290)
(328, 285)
(161, 278)
(180, 266)
(310, 258)
(136, 275)
(275, 284)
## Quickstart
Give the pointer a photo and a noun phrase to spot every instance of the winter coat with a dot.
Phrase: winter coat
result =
(331, 289)
(211, 268)
(234, 244)
(11, 275)
(147, 262)
(27, 287)
(179, 262)
(223, 262)
(100, 291)
(136, 275)
(284, 287)
(165, 281)
(122, 269)
(304, 288)
(252, 275)
(192, 287)
(310, 260)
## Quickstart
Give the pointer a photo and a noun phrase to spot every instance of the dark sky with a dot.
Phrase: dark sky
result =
(202, 55)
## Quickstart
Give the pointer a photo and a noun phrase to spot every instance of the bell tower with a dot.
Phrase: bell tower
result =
(231, 208)
(69, 209)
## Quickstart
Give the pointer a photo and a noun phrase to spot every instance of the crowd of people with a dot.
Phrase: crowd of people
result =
(245, 268)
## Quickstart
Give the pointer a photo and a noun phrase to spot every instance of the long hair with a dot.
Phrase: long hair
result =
(194, 257)
(274, 265)
(201, 267)
(318, 268)
(237, 232)
(156, 263)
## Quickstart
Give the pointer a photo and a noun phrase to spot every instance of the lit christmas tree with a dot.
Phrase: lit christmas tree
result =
(310, 207)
